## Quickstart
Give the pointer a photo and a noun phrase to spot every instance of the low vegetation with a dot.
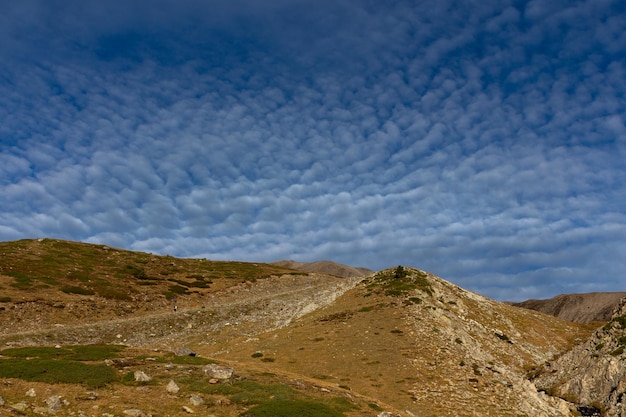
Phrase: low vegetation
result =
(60, 365)
(400, 281)
(85, 269)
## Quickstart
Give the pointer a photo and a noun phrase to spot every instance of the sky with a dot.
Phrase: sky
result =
(483, 141)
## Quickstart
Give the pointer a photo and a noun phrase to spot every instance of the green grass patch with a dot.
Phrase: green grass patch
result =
(290, 408)
(60, 365)
(174, 291)
(55, 371)
(184, 360)
(113, 294)
(375, 407)
(76, 353)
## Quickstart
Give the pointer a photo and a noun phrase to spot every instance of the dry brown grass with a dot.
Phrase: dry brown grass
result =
(419, 344)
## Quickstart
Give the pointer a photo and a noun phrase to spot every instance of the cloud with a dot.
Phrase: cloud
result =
(481, 142)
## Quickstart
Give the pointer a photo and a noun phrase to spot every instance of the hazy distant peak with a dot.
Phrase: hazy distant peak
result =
(325, 267)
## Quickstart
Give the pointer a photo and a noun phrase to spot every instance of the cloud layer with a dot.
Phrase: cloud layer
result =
(482, 142)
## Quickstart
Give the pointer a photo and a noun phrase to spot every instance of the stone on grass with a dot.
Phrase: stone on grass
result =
(141, 376)
(220, 372)
(172, 387)
(196, 400)
(54, 402)
(133, 412)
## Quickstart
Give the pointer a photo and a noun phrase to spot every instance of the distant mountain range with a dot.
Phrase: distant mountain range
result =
(326, 267)
(581, 308)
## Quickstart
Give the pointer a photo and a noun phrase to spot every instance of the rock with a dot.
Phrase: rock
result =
(54, 402)
(133, 412)
(196, 400)
(172, 387)
(184, 351)
(141, 376)
(31, 393)
(219, 372)
(1, 401)
(20, 407)
(188, 410)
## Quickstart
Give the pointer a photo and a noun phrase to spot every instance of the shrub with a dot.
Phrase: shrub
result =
(69, 289)
(113, 294)
(399, 273)
(375, 407)
(175, 290)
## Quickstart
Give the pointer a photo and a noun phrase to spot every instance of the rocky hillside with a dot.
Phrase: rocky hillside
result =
(582, 308)
(420, 345)
(593, 372)
(399, 342)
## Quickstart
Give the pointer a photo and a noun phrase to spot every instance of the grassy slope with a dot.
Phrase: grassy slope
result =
(44, 265)
(402, 340)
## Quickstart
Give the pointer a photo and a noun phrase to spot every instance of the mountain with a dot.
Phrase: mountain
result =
(94, 328)
(326, 267)
(582, 308)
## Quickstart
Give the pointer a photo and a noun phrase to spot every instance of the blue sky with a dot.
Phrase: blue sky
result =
(483, 141)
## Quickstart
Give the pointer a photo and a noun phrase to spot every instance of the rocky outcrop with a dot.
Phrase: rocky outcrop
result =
(593, 374)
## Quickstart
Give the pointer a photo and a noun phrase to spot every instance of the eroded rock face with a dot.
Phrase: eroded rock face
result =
(594, 373)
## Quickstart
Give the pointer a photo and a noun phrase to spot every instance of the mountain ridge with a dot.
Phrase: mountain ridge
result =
(325, 267)
(582, 308)
(400, 340)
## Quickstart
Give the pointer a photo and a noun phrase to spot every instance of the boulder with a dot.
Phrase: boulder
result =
(218, 372)
(196, 400)
(172, 387)
(20, 407)
(141, 376)
(54, 402)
